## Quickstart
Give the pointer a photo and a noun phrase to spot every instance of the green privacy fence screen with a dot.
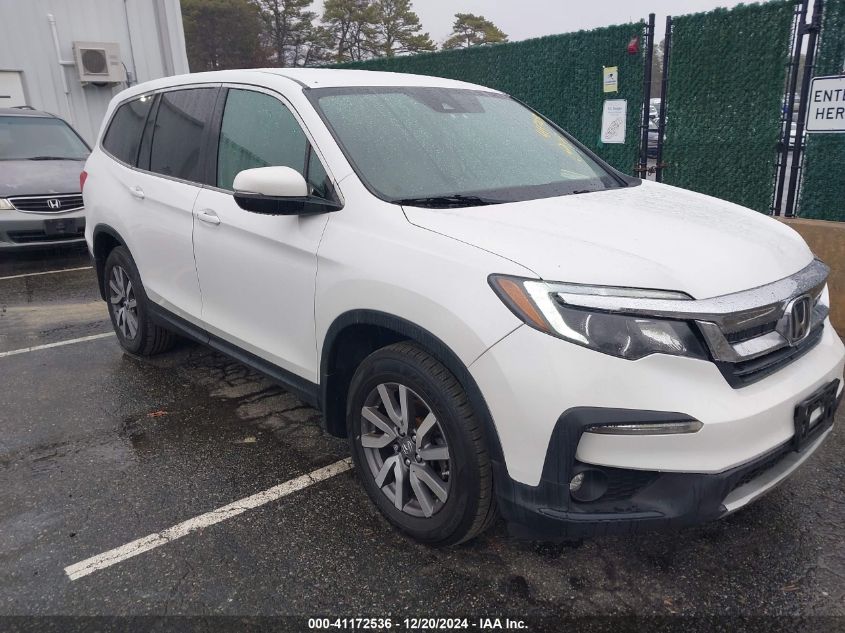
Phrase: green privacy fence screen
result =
(726, 81)
(559, 76)
(823, 187)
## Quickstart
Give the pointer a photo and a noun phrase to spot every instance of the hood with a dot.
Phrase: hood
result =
(648, 236)
(39, 177)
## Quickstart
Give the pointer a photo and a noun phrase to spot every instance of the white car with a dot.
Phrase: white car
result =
(493, 316)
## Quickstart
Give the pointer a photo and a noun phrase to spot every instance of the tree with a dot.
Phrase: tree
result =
(287, 26)
(399, 29)
(315, 47)
(472, 30)
(211, 40)
(352, 27)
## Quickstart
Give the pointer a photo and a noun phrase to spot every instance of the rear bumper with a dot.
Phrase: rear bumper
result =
(637, 501)
(30, 230)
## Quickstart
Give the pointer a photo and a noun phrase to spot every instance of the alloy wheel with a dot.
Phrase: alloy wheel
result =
(405, 449)
(123, 303)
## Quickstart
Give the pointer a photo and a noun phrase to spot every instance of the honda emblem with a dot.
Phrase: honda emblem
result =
(799, 313)
(54, 204)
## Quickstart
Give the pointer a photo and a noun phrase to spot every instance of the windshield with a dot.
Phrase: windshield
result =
(39, 138)
(464, 147)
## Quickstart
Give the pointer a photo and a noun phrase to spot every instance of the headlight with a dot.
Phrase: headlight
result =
(552, 308)
(5, 205)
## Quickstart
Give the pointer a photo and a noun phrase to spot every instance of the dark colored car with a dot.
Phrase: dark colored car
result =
(41, 158)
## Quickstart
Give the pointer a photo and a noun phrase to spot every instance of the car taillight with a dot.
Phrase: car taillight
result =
(82, 178)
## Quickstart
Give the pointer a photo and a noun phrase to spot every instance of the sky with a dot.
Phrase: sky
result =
(523, 19)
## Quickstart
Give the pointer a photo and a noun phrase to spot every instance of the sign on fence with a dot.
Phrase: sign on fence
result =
(613, 121)
(611, 78)
(826, 110)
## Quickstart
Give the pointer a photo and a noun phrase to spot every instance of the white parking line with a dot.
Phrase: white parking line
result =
(145, 544)
(24, 350)
(47, 272)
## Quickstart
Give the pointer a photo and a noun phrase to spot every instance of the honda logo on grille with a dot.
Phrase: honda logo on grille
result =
(799, 313)
(54, 204)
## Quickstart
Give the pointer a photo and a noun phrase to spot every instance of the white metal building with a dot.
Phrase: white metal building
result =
(69, 57)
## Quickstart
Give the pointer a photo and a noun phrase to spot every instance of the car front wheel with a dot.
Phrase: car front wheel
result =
(418, 446)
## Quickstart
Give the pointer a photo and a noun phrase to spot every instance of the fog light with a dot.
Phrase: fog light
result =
(588, 485)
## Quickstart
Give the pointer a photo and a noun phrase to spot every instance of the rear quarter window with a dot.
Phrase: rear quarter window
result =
(123, 137)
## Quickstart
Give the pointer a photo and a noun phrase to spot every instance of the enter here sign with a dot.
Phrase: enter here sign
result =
(826, 109)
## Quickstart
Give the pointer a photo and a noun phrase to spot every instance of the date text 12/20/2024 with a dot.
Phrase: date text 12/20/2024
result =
(418, 624)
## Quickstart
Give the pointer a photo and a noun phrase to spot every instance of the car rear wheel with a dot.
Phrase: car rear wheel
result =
(418, 447)
(129, 307)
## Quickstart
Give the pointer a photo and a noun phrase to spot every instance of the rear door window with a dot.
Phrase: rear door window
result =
(123, 137)
(182, 119)
(257, 131)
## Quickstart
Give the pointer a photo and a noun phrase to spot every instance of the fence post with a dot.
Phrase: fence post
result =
(809, 64)
(649, 57)
(664, 89)
(783, 159)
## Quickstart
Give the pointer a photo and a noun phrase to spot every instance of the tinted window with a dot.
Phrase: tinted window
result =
(124, 134)
(182, 118)
(257, 131)
(39, 138)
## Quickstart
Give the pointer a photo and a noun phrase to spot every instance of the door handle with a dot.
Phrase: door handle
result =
(208, 216)
(137, 192)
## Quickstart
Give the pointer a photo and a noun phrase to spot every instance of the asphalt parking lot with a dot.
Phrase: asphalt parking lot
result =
(99, 449)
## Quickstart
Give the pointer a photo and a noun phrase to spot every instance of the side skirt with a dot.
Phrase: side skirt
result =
(302, 388)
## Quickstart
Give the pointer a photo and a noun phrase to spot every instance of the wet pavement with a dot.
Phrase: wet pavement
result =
(98, 448)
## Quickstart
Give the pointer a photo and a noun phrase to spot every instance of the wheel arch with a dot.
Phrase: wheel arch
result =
(105, 239)
(356, 334)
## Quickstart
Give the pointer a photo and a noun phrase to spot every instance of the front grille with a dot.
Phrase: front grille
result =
(750, 333)
(750, 371)
(34, 237)
(47, 203)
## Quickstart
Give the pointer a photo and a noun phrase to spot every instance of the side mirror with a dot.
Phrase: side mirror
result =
(277, 191)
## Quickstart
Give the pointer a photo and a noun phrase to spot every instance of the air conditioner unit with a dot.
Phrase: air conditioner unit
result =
(99, 62)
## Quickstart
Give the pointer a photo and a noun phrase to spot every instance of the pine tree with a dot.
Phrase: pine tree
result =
(473, 30)
(399, 29)
(352, 25)
(287, 25)
(315, 47)
(211, 41)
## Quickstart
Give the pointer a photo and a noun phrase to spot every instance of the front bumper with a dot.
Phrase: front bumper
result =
(529, 378)
(636, 501)
(32, 230)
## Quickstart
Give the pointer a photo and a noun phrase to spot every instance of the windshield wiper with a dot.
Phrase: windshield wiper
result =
(455, 200)
(53, 158)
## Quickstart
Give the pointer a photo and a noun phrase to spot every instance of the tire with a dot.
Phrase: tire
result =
(128, 305)
(383, 455)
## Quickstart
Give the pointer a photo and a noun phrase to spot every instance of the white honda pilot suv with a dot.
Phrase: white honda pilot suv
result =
(494, 317)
